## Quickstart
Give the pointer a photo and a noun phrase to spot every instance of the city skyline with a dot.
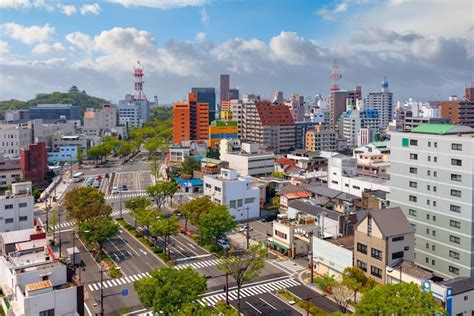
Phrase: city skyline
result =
(51, 45)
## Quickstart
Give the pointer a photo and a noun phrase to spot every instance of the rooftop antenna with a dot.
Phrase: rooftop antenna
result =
(138, 84)
(335, 76)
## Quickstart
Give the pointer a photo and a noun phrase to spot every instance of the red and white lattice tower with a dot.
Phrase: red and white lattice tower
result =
(335, 76)
(138, 84)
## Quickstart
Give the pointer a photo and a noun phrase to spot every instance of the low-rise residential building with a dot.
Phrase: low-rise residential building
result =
(33, 280)
(321, 139)
(381, 238)
(179, 153)
(239, 193)
(286, 198)
(16, 208)
(10, 172)
(288, 239)
(308, 160)
(333, 255)
(14, 137)
(335, 200)
(373, 160)
(79, 141)
(250, 160)
(34, 162)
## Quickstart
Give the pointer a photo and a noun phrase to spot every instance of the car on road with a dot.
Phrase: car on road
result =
(223, 244)
(115, 190)
(96, 184)
(124, 187)
(269, 217)
(99, 177)
(243, 229)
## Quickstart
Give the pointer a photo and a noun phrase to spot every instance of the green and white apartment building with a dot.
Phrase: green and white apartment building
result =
(432, 181)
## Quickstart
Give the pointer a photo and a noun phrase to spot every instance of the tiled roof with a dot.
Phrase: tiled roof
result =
(285, 161)
(274, 115)
(460, 284)
(390, 221)
(89, 115)
(297, 195)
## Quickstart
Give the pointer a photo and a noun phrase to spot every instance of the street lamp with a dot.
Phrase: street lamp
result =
(248, 229)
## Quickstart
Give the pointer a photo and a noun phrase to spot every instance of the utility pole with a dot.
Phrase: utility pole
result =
(248, 230)
(310, 256)
(60, 240)
(73, 251)
(101, 285)
(227, 288)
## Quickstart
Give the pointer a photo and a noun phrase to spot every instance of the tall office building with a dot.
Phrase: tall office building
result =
(460, 112)
(190, 120)
(382, 102)
(55, 112)
(234, 94)
(338, 101)
(207, 95)
(225, 84)
(431, 181)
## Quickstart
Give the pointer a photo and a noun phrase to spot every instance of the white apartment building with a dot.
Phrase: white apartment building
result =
(354, 120)
(16, 208)
(249, 161)
(13, 137)
(133, 112)
(431, 180)
(343, 176)
(382, 102)
(239, 193)
(32, 279)
(98, 122)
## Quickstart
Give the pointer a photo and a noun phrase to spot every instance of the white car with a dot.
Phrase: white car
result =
(243, 229)
(115, 190)
(224, 244)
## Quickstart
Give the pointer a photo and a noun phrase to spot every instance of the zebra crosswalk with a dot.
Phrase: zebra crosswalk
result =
(199, 264)
(117, 282)
(73, 222)
(288, 265)
(212, 300)
(125, 195)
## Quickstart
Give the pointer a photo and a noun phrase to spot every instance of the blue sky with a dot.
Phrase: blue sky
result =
(265, 45)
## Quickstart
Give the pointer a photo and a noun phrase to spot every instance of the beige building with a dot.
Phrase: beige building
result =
(10, 172)
(382, 238)
(99, 122)
(321, 139)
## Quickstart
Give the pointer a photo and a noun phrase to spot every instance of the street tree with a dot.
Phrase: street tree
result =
(244, 268)
(53, 220)
(355, 279)
(144, 217)
(95, 231)
(85, 203)
(189, 165)
(193, 209)
(342, 295)
(161, 191)
(165, 227)
(170, 291)
(398, 300)
(137, 203)
(216, 222)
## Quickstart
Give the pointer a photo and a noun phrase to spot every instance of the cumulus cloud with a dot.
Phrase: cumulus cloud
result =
(68, 9)
(25, 4)
(293, 49)
(80, 40)
(161, 4)
(54, 48)
(4, 47)
(28, 34)
(91, 9)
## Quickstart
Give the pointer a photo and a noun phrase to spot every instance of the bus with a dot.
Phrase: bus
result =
(78, 177)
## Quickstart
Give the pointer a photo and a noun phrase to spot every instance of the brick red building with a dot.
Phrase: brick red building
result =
(34, 162)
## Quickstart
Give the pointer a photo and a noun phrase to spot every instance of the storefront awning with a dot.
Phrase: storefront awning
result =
(279, 245)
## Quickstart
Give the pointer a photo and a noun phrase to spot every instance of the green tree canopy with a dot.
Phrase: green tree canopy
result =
(398, 300)
(137, 203)
(193, 209)
(216, 222)
(355, 279)
(97, 230)
(170, 290)
(278, 174)
(161, 191)
(189, 165)
(85, 203)
(165, 227)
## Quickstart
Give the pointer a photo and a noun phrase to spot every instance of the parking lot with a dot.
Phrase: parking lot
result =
(135, 180)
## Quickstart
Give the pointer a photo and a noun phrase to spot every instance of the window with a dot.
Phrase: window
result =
(49, 312)
(433, 262)
(427, 231)
(427, 216)
(406, 248)
(412, 198)
(232, 204)
(456, 177)
(23, 218)
(429, 144)
(429, 158)
(412, 212)
(208, 185)
(428, 172)
(376, 272)
(433, 247)
(413, 170)
(433, 232)
(435, 159)
(8, 206)
(454, 254)
(435, 144)
(362, 265)
(454, 239)
(427, 246)
(434, 188)
(413, 184)
(456, 193)
(24, 204)
(434, 217)
(455, 208)
(369, 225)
(456, 162)
(413, 142)
(249, 200)
(334, 182)
(428, 202)
(239, 203)
(280, 234)
(361, 248)
(455, 224)
(218, 189)
(375, 253)
(427, 260)
(8, 220)
(45, 277)
(414, 156)
(456, 146)
(435, 174)
(397, 255)
(428, 187)
(453, 270)
(356, 187)
(399, 238)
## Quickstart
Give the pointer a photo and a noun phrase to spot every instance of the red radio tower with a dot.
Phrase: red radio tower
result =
(335, 76)
(138, 84)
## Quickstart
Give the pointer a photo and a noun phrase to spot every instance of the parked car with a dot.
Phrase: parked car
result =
(99, 177)
(243, 229)
(269, 217)
(124, 187)
(223, 244)
(115, 190)
(96, 184)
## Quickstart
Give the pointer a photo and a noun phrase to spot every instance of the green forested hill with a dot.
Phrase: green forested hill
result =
(74, 97)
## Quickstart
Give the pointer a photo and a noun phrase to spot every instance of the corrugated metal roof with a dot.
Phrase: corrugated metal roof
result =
(17, 236)
(38, 285)
(441, 129)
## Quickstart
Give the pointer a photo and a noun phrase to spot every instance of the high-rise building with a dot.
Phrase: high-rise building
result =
(382, 102)
(234, 94)
(354, 120)
(225, 85)
(221, 130)
(55, 112)
(338, 101)
(460, 112)
(190, 120)
(14, 137)
(99, 121)
(321, 139)
(207, 95)
(269, 125)
(34, 162)
(431, 181)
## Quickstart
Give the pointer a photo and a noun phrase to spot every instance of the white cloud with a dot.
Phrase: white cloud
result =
(204, 16)
(339, 7)
(28, 34)
(4, 47)
(80, 40)
(294, 50)
(15, 4)
(90, 8)
(54, 48)
(68, 9)
(161, 4)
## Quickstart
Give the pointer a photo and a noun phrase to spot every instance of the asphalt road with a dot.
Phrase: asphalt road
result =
(303, 292)
(265, 304)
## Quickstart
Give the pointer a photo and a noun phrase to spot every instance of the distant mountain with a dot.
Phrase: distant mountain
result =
(73, 96)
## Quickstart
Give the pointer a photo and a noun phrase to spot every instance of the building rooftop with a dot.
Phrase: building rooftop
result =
(391, 221)
(297, 195)
(18, 235)
(310, 207)
(412, 269)
(460, 284)
(9, 164)
(291, 188)
(442, 129)
(38, 285)
(345, 241)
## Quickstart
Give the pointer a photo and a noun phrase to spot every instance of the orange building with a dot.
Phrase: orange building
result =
(190, 120)
(460, 112)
